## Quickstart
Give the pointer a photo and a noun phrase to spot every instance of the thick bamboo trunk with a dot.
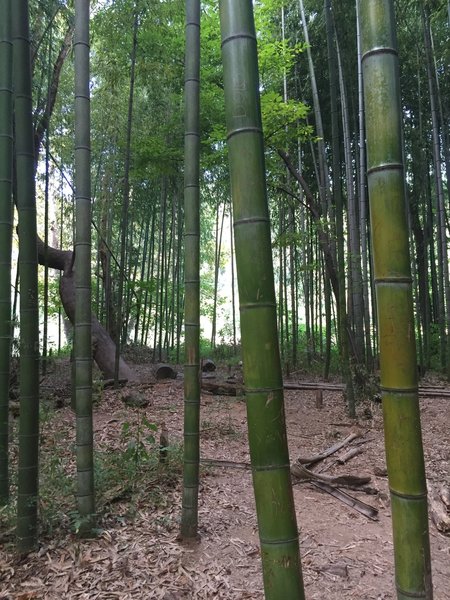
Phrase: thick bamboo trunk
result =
(356, 291)
(363, 213)
(260, 348)
(82, 347)
(191, 458)
(126, 197)
(27, 501)
(392, 272)
(6, 218)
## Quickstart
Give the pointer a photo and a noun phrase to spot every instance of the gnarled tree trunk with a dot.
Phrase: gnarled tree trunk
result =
(102, 345)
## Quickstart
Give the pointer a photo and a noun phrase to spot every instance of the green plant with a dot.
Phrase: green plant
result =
(133, 472)
(56, 491)
(139, 439)
(55, 484)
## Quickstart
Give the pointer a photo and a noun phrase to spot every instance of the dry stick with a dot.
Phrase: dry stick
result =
(312, 385)
(444, 493)
(439, 506)
(310, 460)
(349, 455)
(232, 390)
(303, 473)
(367, 489)
(215, 462)
(365, 509)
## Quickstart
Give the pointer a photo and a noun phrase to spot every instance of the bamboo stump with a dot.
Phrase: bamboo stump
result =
(319, 399)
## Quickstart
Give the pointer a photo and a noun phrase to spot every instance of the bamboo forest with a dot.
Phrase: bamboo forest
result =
(225, 308)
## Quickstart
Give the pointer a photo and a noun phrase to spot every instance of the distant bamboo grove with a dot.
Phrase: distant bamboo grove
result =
(266, 182)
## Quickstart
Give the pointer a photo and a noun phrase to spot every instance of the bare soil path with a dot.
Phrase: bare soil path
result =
(137, 555)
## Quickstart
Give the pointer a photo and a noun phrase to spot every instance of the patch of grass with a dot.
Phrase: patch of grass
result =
(130, 474)
(134, 473)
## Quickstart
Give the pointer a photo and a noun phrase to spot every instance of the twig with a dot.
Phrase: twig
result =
(215, 462)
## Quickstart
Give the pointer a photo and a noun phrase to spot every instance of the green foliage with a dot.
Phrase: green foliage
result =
(134, 471)
(139, 440)
(54, 300)
(283, 121)
(131, 473)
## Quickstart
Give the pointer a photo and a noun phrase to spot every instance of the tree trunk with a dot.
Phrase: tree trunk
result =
(6, 218)
(392, 274)
(260, 349)
(363, 202)
(192, 375)
(28, 472)
(102, 345)
(85, 491)
(126, 197)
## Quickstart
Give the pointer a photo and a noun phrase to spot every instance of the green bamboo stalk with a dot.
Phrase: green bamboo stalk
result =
(260, 351)
(126, 194)
(392, 274)
(28, 269)
(189, 516)
(6, 149)
(83, 317)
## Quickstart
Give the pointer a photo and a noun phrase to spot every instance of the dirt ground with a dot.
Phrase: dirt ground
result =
(344, 554)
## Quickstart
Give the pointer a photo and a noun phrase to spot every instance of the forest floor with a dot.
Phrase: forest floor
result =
(136, 553)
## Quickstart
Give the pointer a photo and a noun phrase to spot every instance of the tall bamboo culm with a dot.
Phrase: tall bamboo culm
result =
(260, 351)
(189, 517)
(27, 500)
(392, 274)
(82, 329)
(6, 148)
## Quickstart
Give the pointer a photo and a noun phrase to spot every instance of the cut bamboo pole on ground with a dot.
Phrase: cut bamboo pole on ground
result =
(230, 389)
(310, 460)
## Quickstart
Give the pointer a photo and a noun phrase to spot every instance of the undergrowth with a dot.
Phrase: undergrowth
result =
(127, 477)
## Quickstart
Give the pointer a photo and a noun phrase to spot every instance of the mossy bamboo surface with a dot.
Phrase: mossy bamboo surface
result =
(260, 350)
(6, 149)
(392, 272)
(28, 271)
(83, 318)
(189, 517)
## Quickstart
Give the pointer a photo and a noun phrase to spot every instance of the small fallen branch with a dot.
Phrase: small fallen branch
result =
(222, 389)
(311, 460)
(232, 390)
(312, 385)
(303, 473)
(216, 462)
(440, 509)
(349, 455)
(365, 509)
(367, 489)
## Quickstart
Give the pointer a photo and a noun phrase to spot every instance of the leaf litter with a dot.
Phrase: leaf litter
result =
(139, 555)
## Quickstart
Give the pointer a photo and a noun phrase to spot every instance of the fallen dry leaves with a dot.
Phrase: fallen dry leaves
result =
(343, 554)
